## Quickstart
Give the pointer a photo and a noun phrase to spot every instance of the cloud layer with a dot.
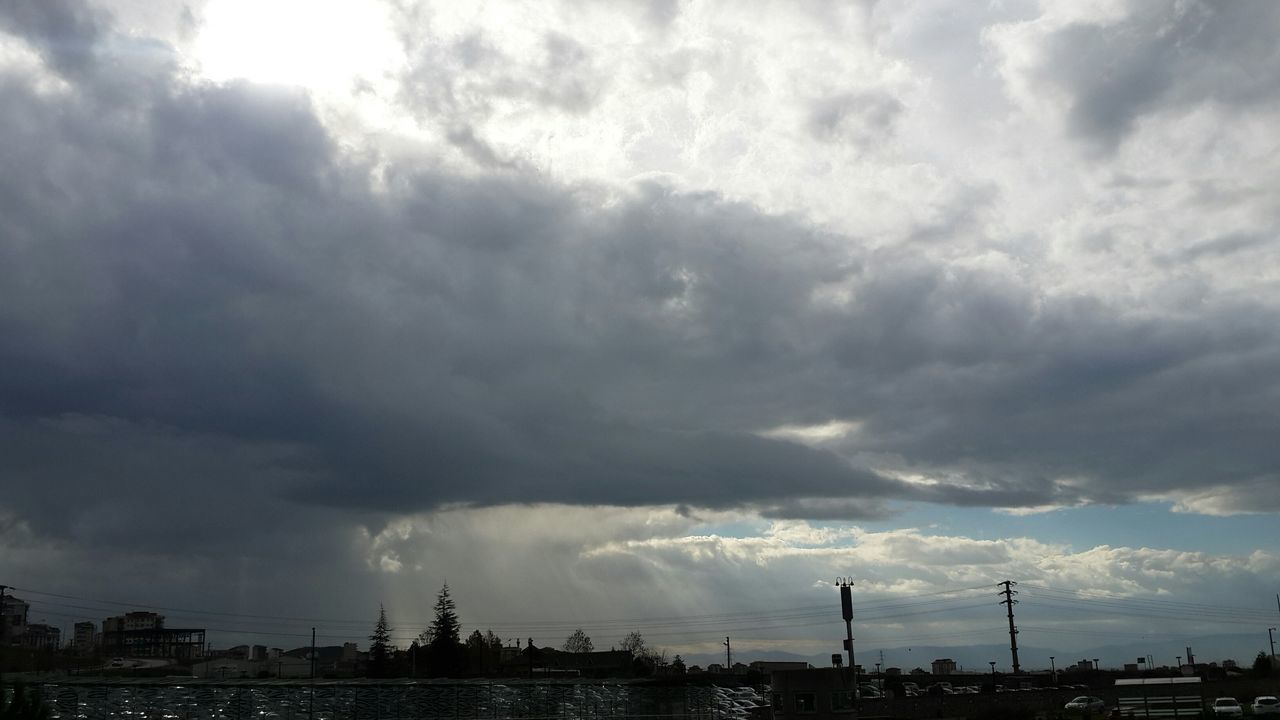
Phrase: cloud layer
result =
(660, 258)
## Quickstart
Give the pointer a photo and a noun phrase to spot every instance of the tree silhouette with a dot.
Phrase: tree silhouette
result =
(380, 645)
(644, 660)
(578, 642)
(493, 641)
(444, 647)
(446, 628)
(634, 643)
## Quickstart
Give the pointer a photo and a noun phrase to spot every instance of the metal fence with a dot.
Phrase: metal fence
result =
(275, 700)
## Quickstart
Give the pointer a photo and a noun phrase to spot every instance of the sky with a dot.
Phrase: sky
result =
(654, 314)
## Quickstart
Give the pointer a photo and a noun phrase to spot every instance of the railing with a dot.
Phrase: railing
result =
(275, 700)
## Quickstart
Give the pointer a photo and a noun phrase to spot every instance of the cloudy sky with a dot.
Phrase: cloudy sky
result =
(653, 314)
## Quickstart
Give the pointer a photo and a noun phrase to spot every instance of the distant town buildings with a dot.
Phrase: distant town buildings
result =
(132, 621)
(15, 629)
(608, 663)
(13, 619)
(84, 639)
(943, 666)
(39, 636)
(769, 666)
(143, 635)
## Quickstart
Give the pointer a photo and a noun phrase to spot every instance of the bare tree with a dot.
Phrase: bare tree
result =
(578, 642)
(634, 642)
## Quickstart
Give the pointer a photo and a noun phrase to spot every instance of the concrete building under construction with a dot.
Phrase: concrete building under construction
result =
(143, 635)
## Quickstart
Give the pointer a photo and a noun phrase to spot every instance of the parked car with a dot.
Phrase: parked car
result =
(1086, 703)
(1227, 707)
(1266, 705)
(117, 662)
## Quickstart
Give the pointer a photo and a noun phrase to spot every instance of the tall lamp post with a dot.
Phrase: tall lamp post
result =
(1179, 663)
(1272, 639)
(879, 681)
(992, 663)
(1053, 672)
(1095, 665)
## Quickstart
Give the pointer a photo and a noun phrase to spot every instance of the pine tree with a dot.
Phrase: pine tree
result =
(380, 645)
(445, 629)
(447, 654)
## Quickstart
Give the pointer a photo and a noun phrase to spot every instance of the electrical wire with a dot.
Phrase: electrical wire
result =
(871, 611)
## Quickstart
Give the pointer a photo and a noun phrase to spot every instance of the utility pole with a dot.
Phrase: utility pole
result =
(846, 610)
(1008, 601)
(1272, 639)
(728, 655)
(880, 675)
(311, 694)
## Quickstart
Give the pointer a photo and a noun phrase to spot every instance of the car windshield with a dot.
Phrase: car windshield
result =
(1081, 699)
(1225, 702)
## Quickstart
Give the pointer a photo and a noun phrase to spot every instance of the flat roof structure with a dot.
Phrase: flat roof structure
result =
(1169, 697)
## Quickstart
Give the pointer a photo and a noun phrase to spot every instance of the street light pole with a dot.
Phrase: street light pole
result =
(992, 663)
(1053, 672)
(1272, 638)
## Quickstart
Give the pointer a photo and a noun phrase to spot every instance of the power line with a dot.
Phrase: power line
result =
(1155, 608)
(1096, 595)
(1144, 613)
(704, 620)
(681, 627)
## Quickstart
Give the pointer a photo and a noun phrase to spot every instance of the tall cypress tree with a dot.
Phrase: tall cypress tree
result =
(380, 645)
(448, 657)
(445, 629)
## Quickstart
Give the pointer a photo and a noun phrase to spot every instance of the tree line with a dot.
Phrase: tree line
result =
(439, 651)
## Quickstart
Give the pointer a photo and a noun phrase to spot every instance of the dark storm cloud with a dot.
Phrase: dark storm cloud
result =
(199, 291)
(200, 266)
(1164, 55)
(826, 509)
(66, 32)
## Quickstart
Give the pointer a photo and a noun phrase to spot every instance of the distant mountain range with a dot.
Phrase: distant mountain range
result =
(1207, 648)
